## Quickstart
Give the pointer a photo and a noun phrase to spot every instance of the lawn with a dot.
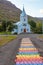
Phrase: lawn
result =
(41, 36)
(5, 39)
(4, 33)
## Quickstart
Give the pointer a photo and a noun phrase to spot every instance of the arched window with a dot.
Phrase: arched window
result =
(24, 24)
(27, 29)
(24, 19)
(21, 29)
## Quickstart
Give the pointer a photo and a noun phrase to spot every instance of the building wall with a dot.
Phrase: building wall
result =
(21, 28)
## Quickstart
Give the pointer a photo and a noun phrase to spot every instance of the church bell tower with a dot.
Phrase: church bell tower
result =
(23, 17)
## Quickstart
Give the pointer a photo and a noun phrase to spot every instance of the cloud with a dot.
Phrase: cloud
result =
(41, 11)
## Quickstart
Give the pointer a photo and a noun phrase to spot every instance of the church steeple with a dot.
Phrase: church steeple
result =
(23, 12)
(23, 16)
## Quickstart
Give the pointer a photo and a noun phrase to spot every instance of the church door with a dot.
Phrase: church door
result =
(24, 30)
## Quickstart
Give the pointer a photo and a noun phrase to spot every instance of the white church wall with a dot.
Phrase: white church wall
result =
(20, 28)
(28, 27)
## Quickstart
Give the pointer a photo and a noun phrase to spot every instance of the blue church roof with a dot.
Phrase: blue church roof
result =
(18, 23)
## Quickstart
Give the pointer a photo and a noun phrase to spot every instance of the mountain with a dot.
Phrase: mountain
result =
(36, 19)
(9, 11)
(41, 18)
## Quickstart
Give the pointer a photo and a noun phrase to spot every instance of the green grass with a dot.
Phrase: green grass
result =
(4, 33)
(41, 36)
(5, 39)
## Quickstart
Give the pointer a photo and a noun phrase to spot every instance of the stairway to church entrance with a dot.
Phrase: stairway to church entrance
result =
(24, 30)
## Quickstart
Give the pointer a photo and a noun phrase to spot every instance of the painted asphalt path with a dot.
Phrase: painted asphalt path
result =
(7, 52)
(28, 54)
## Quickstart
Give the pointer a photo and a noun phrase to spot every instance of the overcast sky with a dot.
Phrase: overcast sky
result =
(32, 7)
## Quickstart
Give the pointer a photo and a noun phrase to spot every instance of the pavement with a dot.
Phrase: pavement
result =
(8, 52)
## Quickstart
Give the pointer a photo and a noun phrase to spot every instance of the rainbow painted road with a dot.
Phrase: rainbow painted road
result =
(28, 54)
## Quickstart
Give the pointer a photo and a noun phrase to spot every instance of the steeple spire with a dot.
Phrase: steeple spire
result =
(23, 9)
(23, 6)
(23, 12)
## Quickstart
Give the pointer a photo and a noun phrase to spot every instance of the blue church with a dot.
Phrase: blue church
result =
(22, 25)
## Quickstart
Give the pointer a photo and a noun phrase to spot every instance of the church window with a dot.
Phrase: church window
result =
(21, 29)
(27, 29)
(24, 24)
(24, 19)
